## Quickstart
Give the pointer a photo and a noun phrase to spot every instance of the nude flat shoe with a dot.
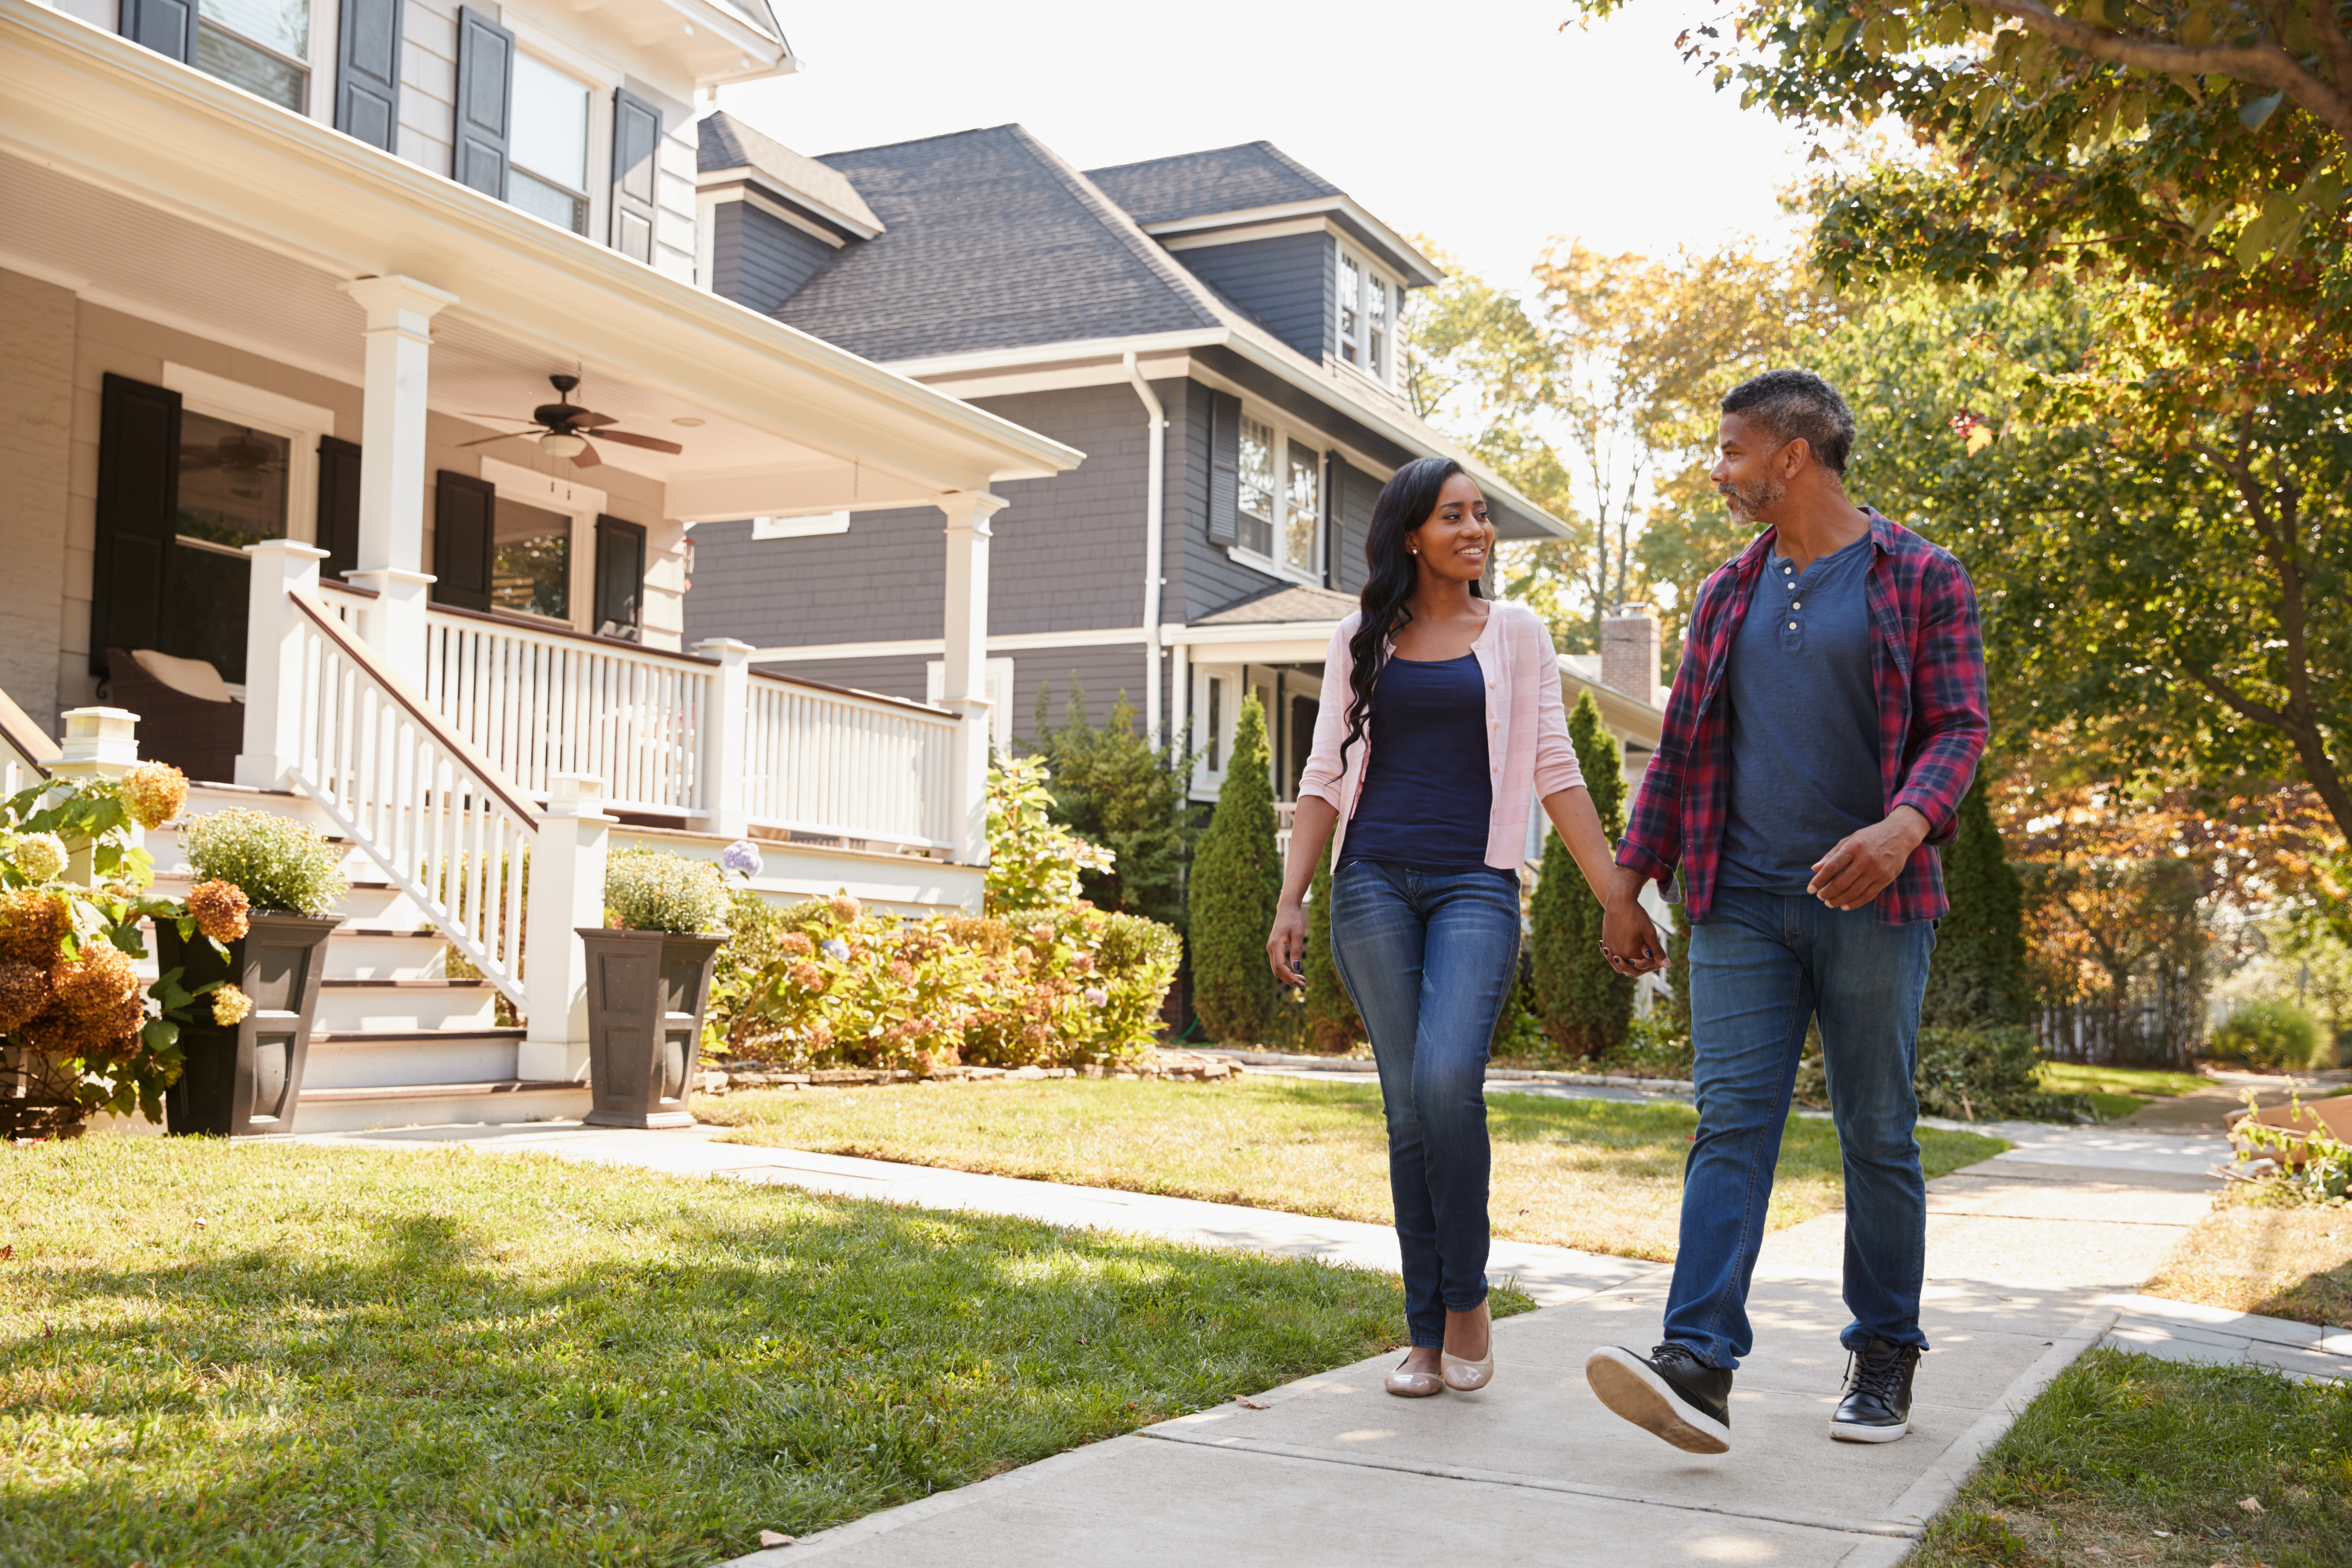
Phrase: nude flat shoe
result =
(1465, 1376)
(1415, 1384)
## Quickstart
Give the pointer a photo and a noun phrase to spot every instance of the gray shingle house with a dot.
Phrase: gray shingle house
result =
(1215, 330)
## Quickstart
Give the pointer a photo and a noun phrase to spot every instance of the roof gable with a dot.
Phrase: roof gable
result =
(727, 143)
(1222, 180)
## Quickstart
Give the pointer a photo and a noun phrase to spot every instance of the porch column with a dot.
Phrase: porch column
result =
(726, 727)
(1180, 688)
(964, 688)
(400, 311)
(273, 659)
(567, 891)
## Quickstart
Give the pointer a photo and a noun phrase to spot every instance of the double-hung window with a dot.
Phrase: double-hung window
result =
(262, 46)
(548, 172)
(1281, 499)
(1369, 300)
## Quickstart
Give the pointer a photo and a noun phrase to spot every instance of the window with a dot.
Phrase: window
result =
(1367, 302)
(530, 562)
(262, 46)
(233, 493)
(1280, 520)
(548, 172)
(1302, 510)
(1256, 530)
(1217, 723)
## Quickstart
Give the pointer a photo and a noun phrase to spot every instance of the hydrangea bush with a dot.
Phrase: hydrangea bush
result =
(653, 889)
(277, 862)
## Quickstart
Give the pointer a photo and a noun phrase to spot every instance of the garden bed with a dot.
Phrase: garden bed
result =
(1603, 1176)
(262, 1355)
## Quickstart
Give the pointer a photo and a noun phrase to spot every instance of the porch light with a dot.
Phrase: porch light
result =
(562, 444)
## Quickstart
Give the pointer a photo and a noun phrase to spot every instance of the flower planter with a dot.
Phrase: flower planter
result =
(244, 1079)
(647, 993)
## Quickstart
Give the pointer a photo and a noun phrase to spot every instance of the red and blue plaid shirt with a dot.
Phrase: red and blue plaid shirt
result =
(1927, 658)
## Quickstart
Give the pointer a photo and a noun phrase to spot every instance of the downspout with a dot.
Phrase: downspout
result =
(1154, 523)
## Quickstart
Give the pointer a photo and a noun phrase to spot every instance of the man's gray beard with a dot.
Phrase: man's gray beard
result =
(1745, 504)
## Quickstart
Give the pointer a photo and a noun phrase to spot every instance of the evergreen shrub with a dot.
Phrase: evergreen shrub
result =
(1236, 883)
(1586, 1005)
(1978, 977)
(1333, 1025)
(1112, 786)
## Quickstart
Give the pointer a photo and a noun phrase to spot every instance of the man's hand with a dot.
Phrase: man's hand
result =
(1286, 947)
(1864, 862)
(1628, 939)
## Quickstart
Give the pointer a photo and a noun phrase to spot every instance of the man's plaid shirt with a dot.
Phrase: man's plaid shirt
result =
(1928, 657)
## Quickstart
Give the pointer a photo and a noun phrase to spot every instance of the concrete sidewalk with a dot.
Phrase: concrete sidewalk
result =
(2031, 1256)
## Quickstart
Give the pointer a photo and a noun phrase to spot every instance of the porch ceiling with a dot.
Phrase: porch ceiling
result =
(152, 188)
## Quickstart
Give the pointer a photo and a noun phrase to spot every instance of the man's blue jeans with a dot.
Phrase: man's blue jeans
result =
(1761, 968)
(1429, 957)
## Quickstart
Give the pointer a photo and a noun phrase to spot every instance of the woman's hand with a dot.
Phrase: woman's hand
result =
(1285, 948)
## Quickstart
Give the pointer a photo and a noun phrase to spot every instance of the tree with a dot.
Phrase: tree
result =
(1033, 862)
(1113, 786)
(1586, 1005)
(1332, 1022)
(1978, 978)
(1236, 883)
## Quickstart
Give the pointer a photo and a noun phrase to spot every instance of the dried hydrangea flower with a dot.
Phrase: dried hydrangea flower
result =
(1096, 995)
(797, 943)
(32, 925)
(220, 910)
(844, 907)
(808, 977)
(230, 1005)
(23, 993)
(89, 986)
(154, 793)
(40, 856)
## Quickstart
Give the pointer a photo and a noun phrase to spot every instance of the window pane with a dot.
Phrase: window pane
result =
(532, 569)
(232, 482)
(1216, 721)
(1351, 288)
(280, 24)
(1376, 336)
(1256, 487)
(238, 63)
(1303, 512)
(536, 197)
(550, 123)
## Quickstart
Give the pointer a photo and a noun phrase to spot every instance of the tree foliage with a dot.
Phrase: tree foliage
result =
(1033, 863)
(1586, 1005)
(1113, 787)
(1978, 979)
(1236, 883)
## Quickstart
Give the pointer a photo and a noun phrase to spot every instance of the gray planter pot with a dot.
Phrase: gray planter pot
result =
(243, 1081)
(647, 994)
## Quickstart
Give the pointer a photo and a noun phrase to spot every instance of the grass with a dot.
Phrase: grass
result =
(2127, 1461)
(242, 1356)
(1603, 1176)
(2283, 1261)
(2115, 1092)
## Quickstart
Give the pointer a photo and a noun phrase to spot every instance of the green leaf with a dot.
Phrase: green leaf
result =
(2254, 114)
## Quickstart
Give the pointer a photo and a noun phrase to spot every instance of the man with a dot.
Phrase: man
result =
(1826, 722)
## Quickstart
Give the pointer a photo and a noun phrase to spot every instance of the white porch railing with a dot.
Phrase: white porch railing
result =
(536, 703)
(824, 761)
(1284, 812)
(423, 803)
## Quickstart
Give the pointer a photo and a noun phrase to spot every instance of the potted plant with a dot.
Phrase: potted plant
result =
(261, 914)
(648, 985)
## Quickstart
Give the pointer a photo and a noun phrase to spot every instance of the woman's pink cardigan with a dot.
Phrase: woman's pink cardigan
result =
(1527, 751)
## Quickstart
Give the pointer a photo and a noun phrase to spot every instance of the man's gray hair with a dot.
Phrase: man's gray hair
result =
(1797, 404)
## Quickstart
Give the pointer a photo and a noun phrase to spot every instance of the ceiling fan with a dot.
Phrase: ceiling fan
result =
(563, 428)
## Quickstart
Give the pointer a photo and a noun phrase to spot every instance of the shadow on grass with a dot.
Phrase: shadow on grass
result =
(421, 1357)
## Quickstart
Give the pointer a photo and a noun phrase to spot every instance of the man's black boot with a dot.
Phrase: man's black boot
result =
(1877, 1404)
(1669, 1392)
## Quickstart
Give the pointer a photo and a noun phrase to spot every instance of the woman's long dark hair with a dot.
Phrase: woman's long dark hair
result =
(1405, 504)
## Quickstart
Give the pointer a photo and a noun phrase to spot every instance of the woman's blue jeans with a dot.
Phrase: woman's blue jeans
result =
(1429, 957)
(1762, 967)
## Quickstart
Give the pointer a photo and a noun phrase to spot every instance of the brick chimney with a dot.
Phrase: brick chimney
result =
(1629, 653)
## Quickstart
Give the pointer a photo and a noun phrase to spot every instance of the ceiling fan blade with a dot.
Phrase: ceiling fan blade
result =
(592, 420)
(586, 457)
(650, 443)
(509, 436)
(479, 414)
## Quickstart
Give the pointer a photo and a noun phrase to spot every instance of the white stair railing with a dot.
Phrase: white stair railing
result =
(438, 820)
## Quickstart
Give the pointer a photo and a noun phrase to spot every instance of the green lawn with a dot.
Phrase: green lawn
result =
(1604, 1175)
(2129, 1461)
(2116, 1092)
(2280, 1260)
(257, 1356)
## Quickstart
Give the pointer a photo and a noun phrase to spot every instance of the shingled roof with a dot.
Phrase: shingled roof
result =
(729, 144)
(1222, 180)
(991, 241)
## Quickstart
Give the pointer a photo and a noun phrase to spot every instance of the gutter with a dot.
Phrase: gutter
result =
(1155, 501)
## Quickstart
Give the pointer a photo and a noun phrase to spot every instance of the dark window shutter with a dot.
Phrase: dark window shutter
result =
(367, 72)
(620, 579)
(339, 508)
(1224, 468)
(138, 515)
(168, 27)
(464, 539)
(637, 147)
(477, 157)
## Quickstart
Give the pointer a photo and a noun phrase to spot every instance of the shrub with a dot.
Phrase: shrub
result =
(1978, 979)
(653, 889)
(280, 863)
(1586, 1005)
(1033, 862)
(1654, 1046)
(1112, 786)
(1969, 1075)
(2268, 1033)
(1236, 883)
(1332, 1024)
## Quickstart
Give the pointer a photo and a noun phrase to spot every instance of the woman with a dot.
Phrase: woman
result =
(1440, 718)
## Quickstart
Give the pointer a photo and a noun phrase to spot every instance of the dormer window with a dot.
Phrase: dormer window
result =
(1368, 301)
(548, 176)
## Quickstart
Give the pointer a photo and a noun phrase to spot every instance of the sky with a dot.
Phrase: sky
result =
(1479, 125)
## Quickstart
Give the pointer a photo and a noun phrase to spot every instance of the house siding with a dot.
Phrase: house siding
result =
(1357, 490)
(1289, 283)
(758, 259)
(37, 404)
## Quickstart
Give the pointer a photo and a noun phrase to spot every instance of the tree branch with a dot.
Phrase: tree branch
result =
(2265, 62)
